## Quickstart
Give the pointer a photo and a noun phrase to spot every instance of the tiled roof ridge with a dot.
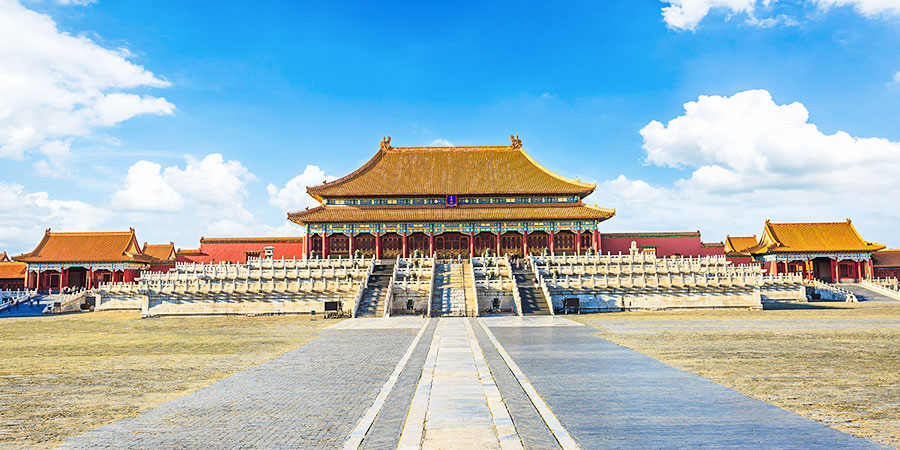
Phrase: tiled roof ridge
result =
(454, 148)
(316, 191)
(650, 233)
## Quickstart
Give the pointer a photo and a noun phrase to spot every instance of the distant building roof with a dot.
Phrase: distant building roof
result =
(886, 258)
(739, 245)
(3, 257)
(12, 270)
(87, 247)
(160, 252)
(812, 237)
(651, 234)
(397, 171)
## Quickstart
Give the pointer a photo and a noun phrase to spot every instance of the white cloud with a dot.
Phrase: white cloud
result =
(440, 142)
(750, 159)
(687, 14)
(896, 78)
(147, 190)
(24, 216)
(75, 2)
(293, 196)
(868, 8)
(54, 85)
(212, 188)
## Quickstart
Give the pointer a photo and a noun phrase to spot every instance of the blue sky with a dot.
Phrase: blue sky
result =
(276, 87)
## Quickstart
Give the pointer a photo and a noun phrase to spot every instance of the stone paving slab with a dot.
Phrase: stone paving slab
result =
(529, 321)
(457, 404)
(385, 431)
(380, 323)
(310, 397)
(532, 430)
(608, 396)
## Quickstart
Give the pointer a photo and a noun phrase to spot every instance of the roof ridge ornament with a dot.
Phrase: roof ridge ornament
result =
(385, 143)
(516, 142)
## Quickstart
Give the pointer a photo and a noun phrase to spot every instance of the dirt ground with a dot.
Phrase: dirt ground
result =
(65, 374)
(837, 363)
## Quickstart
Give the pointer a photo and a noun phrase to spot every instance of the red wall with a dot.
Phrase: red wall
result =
(666, 244)
(887, 272)
(12, 284)
(235, 250)
(161, 267)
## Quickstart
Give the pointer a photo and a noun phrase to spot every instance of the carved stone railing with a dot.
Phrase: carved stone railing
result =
(542, 285)
(10, 298)
(843, 294)
(887, 292)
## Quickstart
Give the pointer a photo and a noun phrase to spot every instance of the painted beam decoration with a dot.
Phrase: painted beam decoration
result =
(111, 266)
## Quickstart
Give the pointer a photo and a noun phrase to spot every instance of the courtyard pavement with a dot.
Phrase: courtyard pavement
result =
(498, 382)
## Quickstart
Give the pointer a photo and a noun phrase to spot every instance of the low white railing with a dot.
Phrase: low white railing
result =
(362, 289)
(894, 294)
(821, 285)
(389, 295)
(542, 284)
(431, 291)
(10, 298)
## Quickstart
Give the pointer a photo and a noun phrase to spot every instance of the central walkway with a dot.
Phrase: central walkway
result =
(457, 403)
(489, 383)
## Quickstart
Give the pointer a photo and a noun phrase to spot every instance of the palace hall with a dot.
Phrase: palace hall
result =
(451, 201)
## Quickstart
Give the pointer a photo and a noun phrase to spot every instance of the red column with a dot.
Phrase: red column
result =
(431, 243)
(324, 246)
(595, 240)
(550, 244)
(524, 243)
(307, 244)
(871, 273)
(858, 271)
(471, 244)
(405, 252)
(834, 271)
(498, 244)
(378, 245)
(90, 278)
(578, 243)
(352, 244)
(63, 278)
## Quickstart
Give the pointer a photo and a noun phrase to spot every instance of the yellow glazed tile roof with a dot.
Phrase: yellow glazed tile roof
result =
(812, 237)
(450, 171)
(86, 247)
(457, 214)
(160, 252)
(740, 244)
(11, 270)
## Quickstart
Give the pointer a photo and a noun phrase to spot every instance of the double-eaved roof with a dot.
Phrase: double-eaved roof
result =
(812, 237)
(87, 247)
(411, 171)
(397, 172)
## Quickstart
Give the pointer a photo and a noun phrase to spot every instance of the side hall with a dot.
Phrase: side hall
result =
(83, 260)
